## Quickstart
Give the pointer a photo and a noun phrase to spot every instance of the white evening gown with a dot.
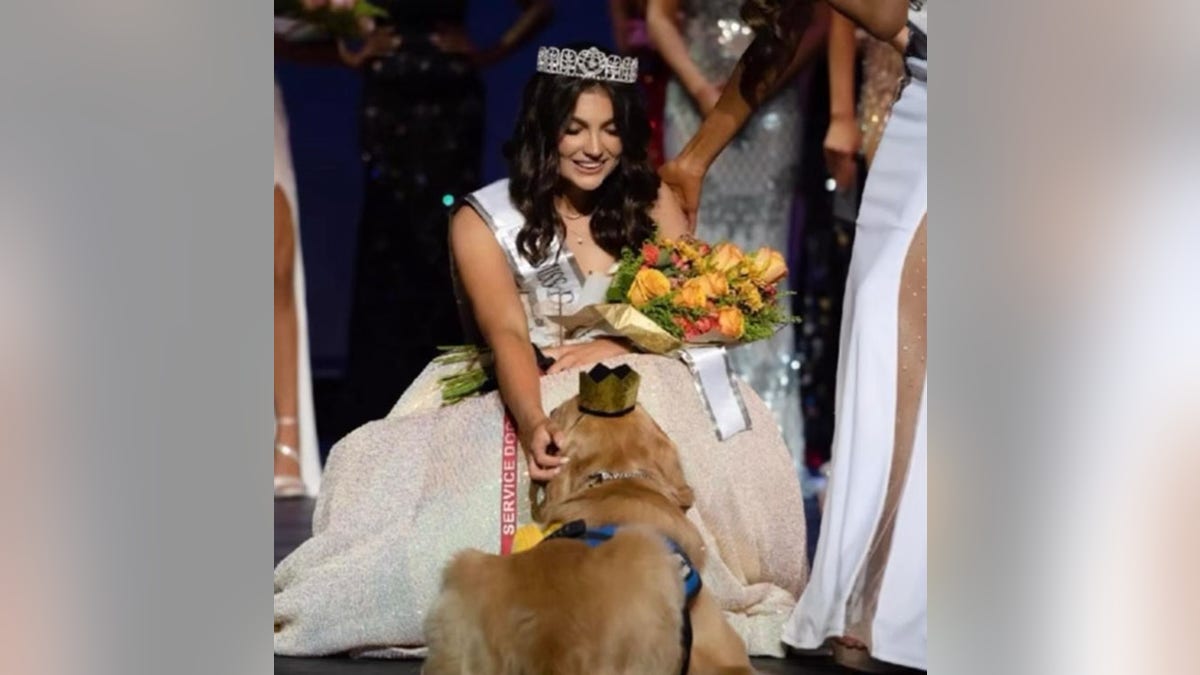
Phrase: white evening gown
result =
(285, 179)
(868, 579)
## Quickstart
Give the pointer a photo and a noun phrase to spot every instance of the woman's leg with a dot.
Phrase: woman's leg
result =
(287, 431)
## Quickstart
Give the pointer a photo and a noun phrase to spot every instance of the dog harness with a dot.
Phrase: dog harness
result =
(595, 536)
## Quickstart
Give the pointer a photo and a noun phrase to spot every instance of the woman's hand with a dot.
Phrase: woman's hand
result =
(584, 354)
(542, 442)
(842, 143)
(378, 42)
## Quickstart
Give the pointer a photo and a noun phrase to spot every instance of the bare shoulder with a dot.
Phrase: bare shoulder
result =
(466, 224)
(668, 214)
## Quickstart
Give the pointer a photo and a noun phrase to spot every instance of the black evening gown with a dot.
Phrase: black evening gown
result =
(422, 137)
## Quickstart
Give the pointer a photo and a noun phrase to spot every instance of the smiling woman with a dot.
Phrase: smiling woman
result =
(578, 159)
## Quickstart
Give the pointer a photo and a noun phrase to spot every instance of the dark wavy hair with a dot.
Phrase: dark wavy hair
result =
(621, 217)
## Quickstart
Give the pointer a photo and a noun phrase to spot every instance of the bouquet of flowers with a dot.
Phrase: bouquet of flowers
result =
(303, 19)
(662, 296)
(670, 293)
(701, 293)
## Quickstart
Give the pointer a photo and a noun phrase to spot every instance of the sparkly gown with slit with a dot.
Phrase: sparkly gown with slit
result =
(748, 192)
(868, 579)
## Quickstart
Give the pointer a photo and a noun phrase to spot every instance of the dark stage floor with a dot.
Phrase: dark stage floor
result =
(292, 526)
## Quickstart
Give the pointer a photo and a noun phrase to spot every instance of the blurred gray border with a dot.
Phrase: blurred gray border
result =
(137, 141)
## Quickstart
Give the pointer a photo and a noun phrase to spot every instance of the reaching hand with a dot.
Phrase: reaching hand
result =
(378, 42)
(842, 143)
(584, 354)
(685, 180)
(542, 444)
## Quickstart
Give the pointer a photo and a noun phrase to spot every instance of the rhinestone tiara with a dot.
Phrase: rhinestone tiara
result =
(591, 64)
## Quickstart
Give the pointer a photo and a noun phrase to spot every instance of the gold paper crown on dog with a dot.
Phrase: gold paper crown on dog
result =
(608, 392)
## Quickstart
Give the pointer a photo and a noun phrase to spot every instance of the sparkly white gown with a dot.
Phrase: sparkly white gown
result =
(285, 179)
(869, 575)
(748, 192)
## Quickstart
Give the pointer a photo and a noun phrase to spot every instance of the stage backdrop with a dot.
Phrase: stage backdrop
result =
(322, 110)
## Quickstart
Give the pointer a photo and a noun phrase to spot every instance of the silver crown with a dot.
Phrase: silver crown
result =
(591, 64)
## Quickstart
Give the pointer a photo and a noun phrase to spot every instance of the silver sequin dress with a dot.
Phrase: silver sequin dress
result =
(402, 494)
(748, 192)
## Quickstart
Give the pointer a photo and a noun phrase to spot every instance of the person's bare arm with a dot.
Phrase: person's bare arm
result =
(772, 66)
(498, 312)
(881, 18)
(535, 14)
(843, 138)
(665, 35)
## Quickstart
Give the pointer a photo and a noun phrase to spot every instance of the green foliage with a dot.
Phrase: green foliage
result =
(623, 278)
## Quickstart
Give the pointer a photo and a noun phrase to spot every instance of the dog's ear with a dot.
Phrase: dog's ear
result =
(666, 459)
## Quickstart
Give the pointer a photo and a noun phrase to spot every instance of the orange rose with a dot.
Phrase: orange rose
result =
(725, 257)
(767, 266)
(648, 285)
(694, 294)
(730, 322)
(714, 284)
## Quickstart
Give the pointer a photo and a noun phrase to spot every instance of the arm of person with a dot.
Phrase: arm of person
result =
(498, 312)
(535, 14)
(883, 19)
(665, 35)
(843, 138)
(743, 93)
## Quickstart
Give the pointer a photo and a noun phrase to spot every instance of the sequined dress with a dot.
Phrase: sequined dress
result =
(421, 126)
(748, 191)
(400, 495)
(882, 72)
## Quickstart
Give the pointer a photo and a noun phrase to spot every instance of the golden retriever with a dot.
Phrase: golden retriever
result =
(567, 608)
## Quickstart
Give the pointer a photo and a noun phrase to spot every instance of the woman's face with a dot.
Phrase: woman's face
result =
(589, 147)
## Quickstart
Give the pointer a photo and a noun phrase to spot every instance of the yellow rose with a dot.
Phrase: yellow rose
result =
(750, 295)
(730, 322)
(648, 285)
(694, 294)
(725, 257)
(767, 266)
